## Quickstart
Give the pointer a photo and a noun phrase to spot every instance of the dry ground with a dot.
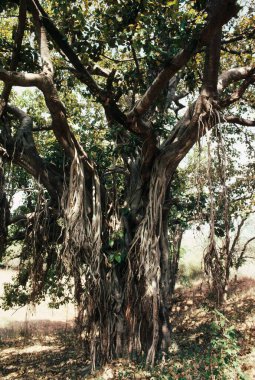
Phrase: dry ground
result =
(48, 350)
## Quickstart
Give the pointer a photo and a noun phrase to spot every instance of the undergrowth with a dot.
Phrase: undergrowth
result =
(215, 357)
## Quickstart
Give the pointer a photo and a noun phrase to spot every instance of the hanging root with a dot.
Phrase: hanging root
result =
(216, 259)
(144, 275)
(38, 252)
(82, 246)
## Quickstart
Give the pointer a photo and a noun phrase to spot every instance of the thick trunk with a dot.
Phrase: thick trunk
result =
(147, 292)
(4, 210)
(125, 305)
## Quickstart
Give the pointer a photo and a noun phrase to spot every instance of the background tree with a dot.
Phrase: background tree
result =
(106, 141)
(231, 203)
(222, 189)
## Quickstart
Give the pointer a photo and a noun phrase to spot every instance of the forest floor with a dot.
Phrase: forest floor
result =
(206, 344)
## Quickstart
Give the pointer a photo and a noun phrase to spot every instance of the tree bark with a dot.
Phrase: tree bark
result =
(4, 208)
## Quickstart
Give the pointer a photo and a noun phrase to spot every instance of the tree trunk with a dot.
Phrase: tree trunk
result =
(4, 210)
(175, 257)
(126, 305)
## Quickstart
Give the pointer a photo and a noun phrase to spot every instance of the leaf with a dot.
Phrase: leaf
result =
(172, 2)
(117, 258)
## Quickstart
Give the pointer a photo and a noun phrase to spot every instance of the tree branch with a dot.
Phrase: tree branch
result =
(139, 74)
(211, 66)
(15, 55)
(42, 129)
(58, 113)
(240, 37)
(187, 130)
(22, 150)
(23, 136)
(121, 60)
(234, 75)
(62, 43)
(221, 13)
(239, 120)
(20, 79)
(237, 235)
(111, 108)
(47, 66)
(241, 256)
(235, 52)
(237, 95)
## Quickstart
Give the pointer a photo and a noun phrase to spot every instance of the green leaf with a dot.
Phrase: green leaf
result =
(117, 258)
(172, 2)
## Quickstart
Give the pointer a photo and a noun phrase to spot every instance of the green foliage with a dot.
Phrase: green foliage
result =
(117, 252)
(216, 358)
(14, 295)
(58, 289)
(222, 360)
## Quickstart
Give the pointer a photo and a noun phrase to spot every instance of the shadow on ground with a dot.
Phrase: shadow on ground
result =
(41, 350)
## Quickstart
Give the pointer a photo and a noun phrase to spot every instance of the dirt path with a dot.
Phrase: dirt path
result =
(42, 358)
